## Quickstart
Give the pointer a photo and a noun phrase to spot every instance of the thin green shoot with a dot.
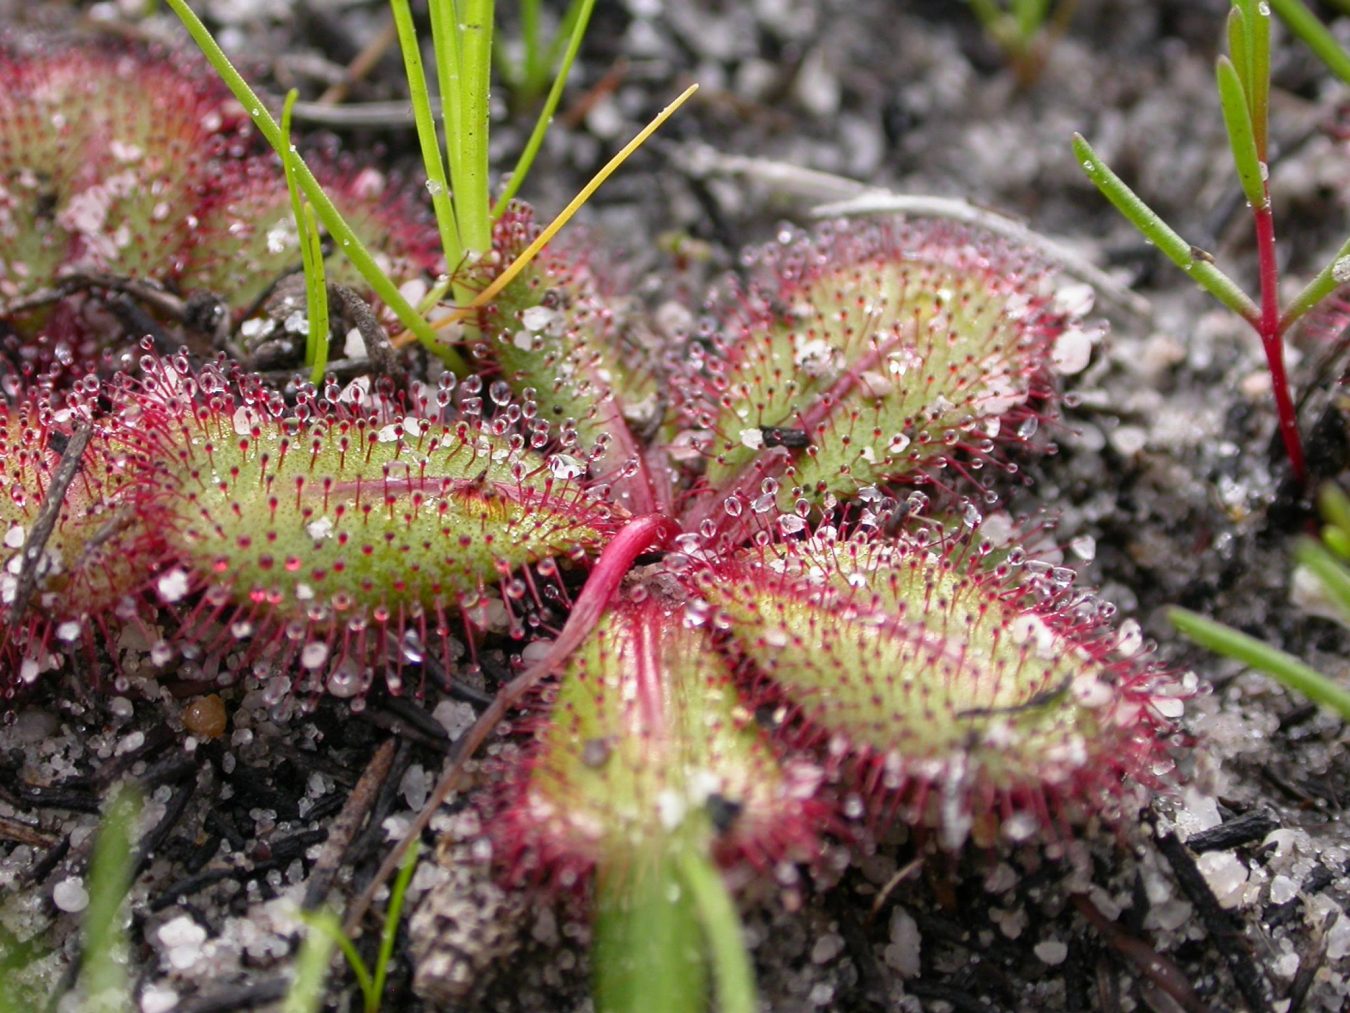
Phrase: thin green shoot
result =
(103, 974)
(1315, 35)
(311, 969)
(327, 924)
(1323, 284)
(526, 161)
(311, 254)
(389, 932)
(1021, 29)
(1187, 257)
(327, 213)
(425, 120)
(733, 975)
(528, 77)
(1284, 667)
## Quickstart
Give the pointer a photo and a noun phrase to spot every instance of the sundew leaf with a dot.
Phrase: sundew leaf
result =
(83, 569)
(335, 525)
(99, 176)
(871, 354)
(562, 340)
(648, 749)
(972, 693)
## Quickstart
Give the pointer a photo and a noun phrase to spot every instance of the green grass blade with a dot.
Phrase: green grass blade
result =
(430, 144)
(532, 146)
(1315, 35)
(332, 219)
(1162, 235)
(326, 923)
(316, 298)
(1329, 571)
(311, 254)
(732, 973)
(392, 915)
(533, 66)
(445, 41)
(1289, 670)
(1029, 16)
(473, 205)
(103, 975)
(1237, 118)
(311, 973)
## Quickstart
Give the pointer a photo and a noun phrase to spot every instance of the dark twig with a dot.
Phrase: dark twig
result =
(1222, 928)
(45, 524)
(373, 835)
(404, 718)
(227, 1000)
(1244, 829)
(151, 842)
(23, 833)
(383, 356)
(1156, 967)
(344, 828)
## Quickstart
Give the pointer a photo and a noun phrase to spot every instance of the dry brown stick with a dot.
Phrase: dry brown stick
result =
(361, 65)
(381, 353)
(22, 833)
(347, 823)
(46, 519)
(1155, 966)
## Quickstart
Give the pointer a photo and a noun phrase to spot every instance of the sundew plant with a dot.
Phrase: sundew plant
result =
(760, 587)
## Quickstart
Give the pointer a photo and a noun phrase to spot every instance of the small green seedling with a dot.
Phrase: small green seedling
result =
(1244, 92)
(1328, 563)
(1024, 30)
(325, 932)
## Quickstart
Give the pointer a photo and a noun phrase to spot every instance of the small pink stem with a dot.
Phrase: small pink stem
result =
(1268, 327)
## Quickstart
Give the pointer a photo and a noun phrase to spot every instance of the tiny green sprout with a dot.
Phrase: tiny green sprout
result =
(1024, 30)
(103, 976)
(325, 932)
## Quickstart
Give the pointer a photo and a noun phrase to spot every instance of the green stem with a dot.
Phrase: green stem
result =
(393, 914)
(445, 42)
(332, 219)
(721, 926)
